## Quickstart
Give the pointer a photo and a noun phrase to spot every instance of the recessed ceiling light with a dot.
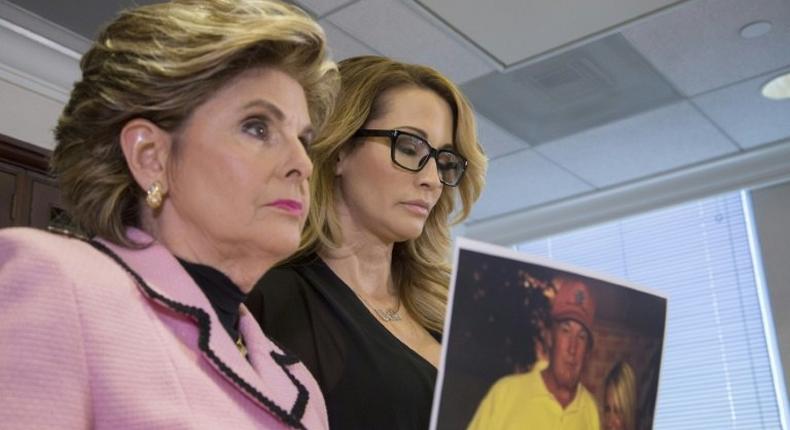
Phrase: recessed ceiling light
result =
(777, 88)
(755, 29)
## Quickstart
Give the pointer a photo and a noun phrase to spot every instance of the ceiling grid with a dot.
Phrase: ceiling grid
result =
(600, 95)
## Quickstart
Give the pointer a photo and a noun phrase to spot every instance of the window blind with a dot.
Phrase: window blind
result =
(715, 371)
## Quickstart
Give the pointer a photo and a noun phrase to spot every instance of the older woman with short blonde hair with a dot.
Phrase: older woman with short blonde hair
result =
(182, 155)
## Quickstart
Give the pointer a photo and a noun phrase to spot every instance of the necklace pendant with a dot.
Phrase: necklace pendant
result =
(388, 315)
(242, 347)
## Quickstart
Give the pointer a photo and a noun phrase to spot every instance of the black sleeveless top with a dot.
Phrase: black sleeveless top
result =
(369, 378)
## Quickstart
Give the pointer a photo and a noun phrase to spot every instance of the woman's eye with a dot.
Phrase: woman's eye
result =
(448, 165)
(306, 141)
(407, 149)
(256, 128)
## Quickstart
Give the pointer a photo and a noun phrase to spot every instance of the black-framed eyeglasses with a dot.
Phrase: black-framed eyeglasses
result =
(412, 153)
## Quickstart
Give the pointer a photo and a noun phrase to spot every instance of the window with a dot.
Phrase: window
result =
(716, 371)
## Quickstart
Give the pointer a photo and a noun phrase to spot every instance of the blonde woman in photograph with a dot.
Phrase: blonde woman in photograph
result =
(182, 155)
(363, 302)
(620, 402)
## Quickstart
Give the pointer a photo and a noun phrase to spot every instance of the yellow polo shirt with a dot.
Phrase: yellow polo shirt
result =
(518, 402)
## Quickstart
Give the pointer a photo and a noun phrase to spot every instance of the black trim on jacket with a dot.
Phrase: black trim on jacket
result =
(292, 418)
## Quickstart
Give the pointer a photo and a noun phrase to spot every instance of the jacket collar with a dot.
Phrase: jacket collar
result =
(162, 279)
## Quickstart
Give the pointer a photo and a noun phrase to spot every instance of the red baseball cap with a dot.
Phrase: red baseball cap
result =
(573, 301)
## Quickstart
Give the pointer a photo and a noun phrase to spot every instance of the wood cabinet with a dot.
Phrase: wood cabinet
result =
(29, 195)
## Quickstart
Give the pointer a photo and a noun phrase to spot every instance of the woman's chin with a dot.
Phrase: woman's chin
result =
(281, 246)
(411, 232)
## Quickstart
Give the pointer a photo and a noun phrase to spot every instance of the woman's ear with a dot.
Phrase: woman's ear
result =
(147, 149)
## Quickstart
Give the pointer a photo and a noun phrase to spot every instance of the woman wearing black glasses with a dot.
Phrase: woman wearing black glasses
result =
(363, 302)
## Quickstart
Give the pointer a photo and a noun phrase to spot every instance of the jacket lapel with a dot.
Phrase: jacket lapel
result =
(262, 353)
(263, 379)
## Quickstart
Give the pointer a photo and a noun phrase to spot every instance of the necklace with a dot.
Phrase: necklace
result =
(241, 346)
(385, 314)
(389, 315)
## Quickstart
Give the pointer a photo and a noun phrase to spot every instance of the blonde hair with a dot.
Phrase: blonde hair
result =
(622, 381)
(160, 62)
(419, 266)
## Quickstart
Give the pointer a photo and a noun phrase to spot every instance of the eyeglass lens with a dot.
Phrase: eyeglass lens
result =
(413, 153)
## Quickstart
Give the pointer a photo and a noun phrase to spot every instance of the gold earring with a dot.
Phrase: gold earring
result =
(154, 195)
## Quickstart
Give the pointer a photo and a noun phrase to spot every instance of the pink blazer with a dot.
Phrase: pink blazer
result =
(83, 344)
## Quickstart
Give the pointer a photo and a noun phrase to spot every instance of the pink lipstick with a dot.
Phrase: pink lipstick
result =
(293, 207)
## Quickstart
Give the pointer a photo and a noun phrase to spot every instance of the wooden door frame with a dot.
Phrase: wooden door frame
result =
(29, 163)
(25, 155)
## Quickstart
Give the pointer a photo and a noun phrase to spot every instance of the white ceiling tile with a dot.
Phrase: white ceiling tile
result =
(698, 47)
(581, 88)
(397, 31)
(321, 7)
(646, 144)
(748, 117)
(495, 140)
(521, 180)
(516, 30)
(341, 45)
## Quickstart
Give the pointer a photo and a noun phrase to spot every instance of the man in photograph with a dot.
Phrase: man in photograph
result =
(553, 397)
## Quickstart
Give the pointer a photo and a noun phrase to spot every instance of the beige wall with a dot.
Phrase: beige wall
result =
(771, 206)
(28, 116)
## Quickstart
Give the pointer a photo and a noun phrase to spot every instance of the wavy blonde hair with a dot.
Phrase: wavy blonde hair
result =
(160, 62)
(419, 266)
(622, 381)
